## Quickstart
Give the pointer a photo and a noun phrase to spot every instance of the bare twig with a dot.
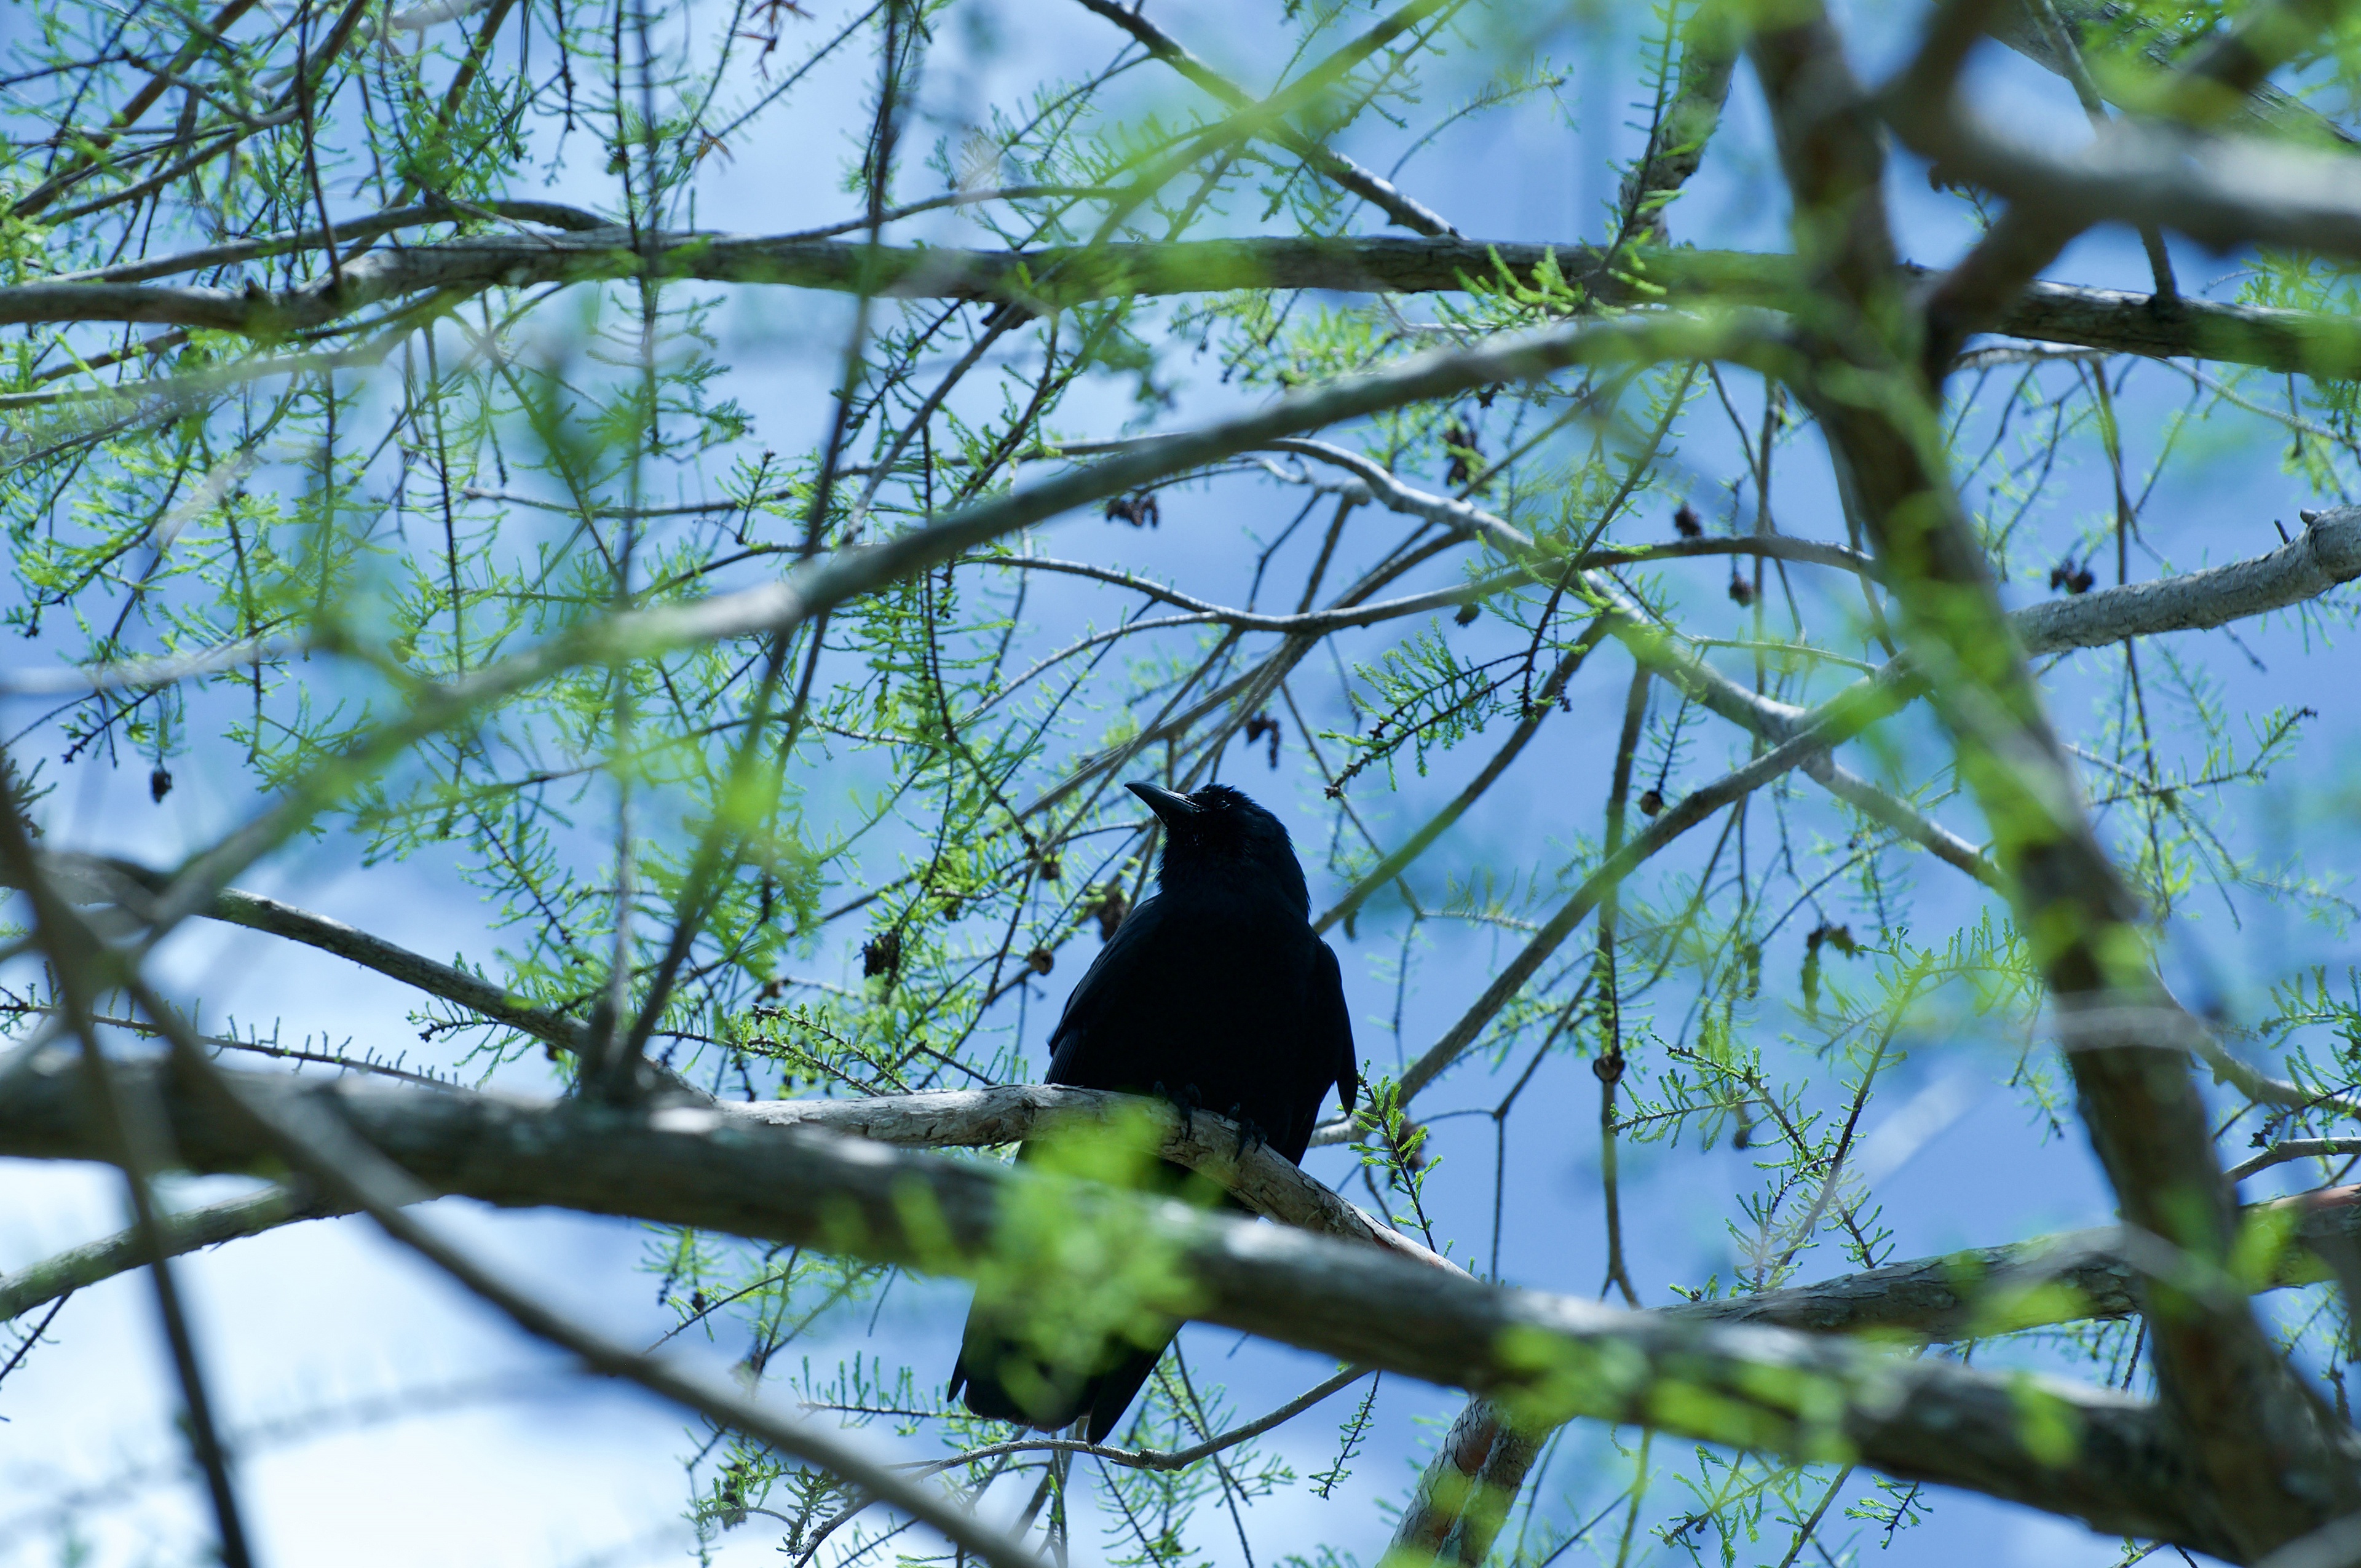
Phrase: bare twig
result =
(1370, 187)
(1165, 1459)
(68, 1271)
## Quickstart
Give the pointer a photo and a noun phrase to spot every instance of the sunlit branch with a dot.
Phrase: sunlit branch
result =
(1657, 646)
(548, 214)
(986, 1118)
(2293, 1150)
(1204, 612)
(2325, 555)
(130, 673)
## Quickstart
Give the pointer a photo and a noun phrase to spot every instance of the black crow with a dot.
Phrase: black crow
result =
(1215, 994)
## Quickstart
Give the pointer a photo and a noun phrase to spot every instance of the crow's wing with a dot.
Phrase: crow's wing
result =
(1332, 1027)
(1114, 975)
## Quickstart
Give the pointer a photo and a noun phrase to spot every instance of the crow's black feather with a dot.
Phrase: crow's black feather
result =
(1217, 994)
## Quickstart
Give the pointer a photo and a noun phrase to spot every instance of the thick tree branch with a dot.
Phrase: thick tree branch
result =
(1552, 1359)
(2223, 191)
(1041, 278)
(2313, 343)
(1999, 1289)
(1266, 1182)
(981, 1118)
(1980, 1292)
(2325, 555)
(2275, 1466)
(1466, 1489)
(549, 214)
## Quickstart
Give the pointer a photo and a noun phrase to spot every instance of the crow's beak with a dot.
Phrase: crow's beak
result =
(1171, 809)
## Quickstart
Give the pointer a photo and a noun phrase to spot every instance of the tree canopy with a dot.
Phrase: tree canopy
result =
(723, 495)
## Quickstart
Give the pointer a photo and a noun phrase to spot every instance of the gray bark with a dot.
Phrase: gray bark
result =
(1934, 1298)
(1547, 1359)
(2326, 553)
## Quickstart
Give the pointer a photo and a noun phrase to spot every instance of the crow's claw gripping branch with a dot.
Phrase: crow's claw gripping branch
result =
(1250, 1134)
(1186, 1101)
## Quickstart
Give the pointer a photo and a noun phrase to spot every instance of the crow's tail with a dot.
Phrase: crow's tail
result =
(992, 1358)
(989, 1360)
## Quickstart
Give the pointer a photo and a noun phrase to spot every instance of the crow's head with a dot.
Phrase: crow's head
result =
(1219, 834)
